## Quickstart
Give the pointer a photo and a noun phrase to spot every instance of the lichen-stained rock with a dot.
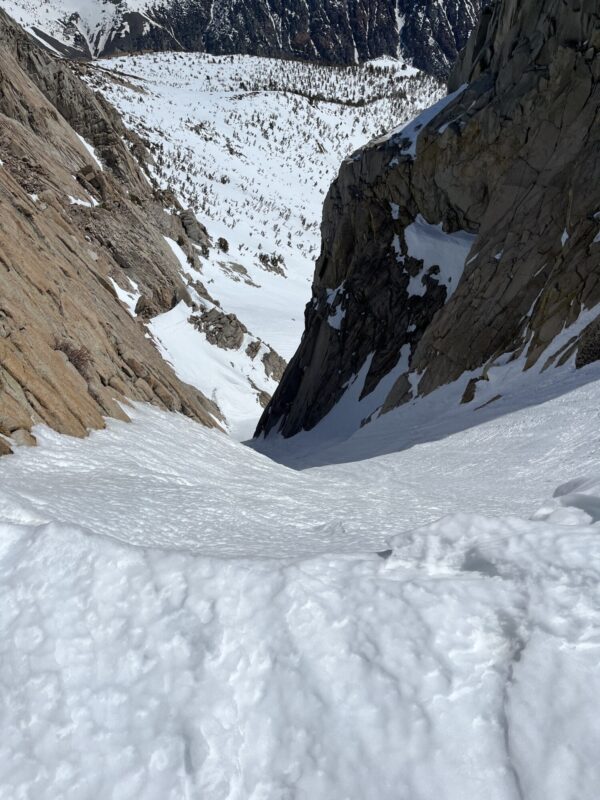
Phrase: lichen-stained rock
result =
(507, 167)
(76, 214)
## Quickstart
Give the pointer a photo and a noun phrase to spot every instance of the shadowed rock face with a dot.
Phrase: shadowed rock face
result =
(69, 227)
(513, 162)
(430, 32)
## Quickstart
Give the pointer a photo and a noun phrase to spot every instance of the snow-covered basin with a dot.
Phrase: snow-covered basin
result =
(182, 618)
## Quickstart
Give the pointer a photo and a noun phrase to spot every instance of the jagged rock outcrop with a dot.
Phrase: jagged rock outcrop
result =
(221, 330)
(79, 222)
(471, 236)
(429, 33)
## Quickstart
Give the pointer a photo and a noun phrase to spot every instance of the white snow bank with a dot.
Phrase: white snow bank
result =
(136, 664)
(448, 251)
(229, 377)
(464, 666)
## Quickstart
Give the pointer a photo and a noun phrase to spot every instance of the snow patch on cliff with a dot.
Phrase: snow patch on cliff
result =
(435, 248)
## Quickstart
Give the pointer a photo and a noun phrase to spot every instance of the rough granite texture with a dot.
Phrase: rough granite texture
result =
(70, 351)
(515, 160)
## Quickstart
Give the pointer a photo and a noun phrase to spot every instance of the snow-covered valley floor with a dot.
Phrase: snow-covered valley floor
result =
(182, 617)
(251, 145)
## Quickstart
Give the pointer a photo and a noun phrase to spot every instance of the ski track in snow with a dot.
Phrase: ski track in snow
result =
(183, 618)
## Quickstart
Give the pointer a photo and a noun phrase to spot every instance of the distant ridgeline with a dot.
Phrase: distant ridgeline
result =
(430, 33)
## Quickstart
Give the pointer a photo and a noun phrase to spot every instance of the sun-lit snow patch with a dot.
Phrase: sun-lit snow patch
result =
(178, 253)
(91, 151)
(232, 378)
(448, 251)
(226, 376)
(129, 299)
(77, 201)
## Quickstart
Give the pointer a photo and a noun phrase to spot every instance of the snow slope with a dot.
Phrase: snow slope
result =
(172, 625)
(252, 145)
(182, 617)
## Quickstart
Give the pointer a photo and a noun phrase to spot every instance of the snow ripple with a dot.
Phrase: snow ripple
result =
(468, 658)
(461, 664)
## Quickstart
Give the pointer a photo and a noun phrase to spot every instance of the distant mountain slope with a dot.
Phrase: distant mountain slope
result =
(429, 33)
(465, 246)
(251, 145)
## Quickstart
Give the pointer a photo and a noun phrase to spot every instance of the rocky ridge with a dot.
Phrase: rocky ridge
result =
(472, 237)
(80, 225)
(430, 33)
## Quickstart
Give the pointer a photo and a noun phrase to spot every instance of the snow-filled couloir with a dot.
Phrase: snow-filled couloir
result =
(182, 617)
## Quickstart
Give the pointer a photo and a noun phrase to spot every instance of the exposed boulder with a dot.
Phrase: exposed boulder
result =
(195, 230)
(272, 362)
(5, 448)
(274, 365)
(588, 347)
(223, 330)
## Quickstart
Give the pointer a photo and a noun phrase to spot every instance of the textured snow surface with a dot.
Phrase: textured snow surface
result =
(182, 618)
